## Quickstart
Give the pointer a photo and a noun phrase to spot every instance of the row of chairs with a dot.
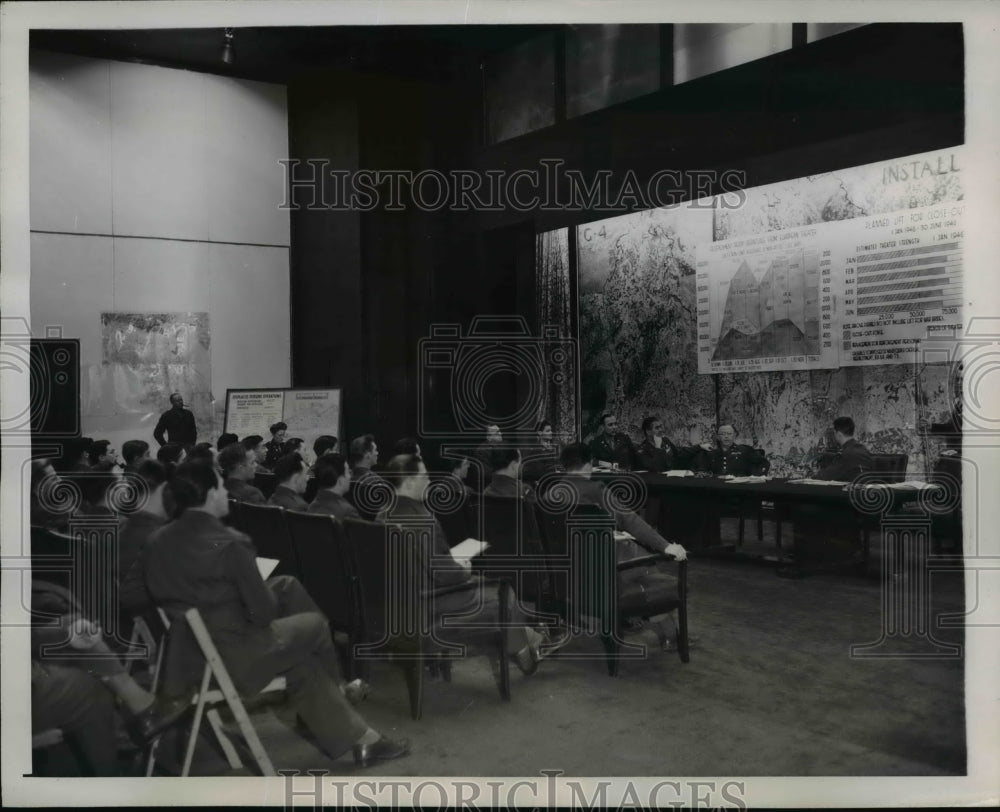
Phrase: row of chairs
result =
(544, 557)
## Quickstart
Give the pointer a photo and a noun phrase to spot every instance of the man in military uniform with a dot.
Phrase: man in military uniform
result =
(608, 447)
(657, 453)
(729, 458)
(506, 465)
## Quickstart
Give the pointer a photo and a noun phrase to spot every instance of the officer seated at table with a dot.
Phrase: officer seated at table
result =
(727, 457)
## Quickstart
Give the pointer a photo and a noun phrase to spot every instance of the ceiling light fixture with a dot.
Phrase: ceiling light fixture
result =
(228, 55)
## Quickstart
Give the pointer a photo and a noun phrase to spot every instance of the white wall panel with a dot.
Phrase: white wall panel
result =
(160, 276)
(249, 317)
(159, 152)
(71, 284)
(246, 135)
(70, 125)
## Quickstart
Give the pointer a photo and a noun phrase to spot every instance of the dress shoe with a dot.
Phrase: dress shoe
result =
(145, 726)
(382, 750)
(554, 639)
(527, 660)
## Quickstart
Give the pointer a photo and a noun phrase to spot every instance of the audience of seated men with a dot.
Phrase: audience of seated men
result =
(658, 453)
(239, 467)
(649, 581)
(274, 449)
(333, 480)
(478, 604)
(291, 476)
(726, 457)
(541, 458)
(261, 629)
(609, 447)
(134, 453)
(505, 464)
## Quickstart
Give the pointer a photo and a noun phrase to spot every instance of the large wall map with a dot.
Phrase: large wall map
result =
(147, 356)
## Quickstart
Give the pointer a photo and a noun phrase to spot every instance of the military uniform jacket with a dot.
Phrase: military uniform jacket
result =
(739, 460)
(612, 448)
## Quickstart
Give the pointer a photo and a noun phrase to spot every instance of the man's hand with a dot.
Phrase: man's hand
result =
(84, 634)
(676, 551)
(708, 446)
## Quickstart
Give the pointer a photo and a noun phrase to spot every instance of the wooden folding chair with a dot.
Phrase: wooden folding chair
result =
(209, 696)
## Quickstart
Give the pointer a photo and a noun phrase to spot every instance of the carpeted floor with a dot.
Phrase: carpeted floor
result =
(771, 690)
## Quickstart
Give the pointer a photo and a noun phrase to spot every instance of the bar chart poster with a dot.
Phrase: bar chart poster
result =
(902, 282)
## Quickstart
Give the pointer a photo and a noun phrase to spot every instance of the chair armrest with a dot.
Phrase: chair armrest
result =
(643, 560)
(451, 589)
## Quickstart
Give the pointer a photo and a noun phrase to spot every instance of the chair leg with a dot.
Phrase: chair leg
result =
(682, 633)
(611, 650)
(504, 673)
(228, 750)
(739, 537)
(196, 722)
(414, 672)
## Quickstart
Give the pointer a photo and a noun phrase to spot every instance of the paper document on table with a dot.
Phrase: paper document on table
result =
(808, 481)
(679, 473)
(621, 535)
(468, 549)
(742, 480)
(909, 485)
(266, 566)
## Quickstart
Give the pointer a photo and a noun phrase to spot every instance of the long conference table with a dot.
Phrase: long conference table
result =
(694, 505)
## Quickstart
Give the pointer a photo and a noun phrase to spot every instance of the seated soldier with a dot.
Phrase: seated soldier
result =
(135, 532)
(478, 605)
(134, 453)
(333, 480)
(292, 476)
(238, 467)
(657, 453)
(729, 458)
(324, 444)
(226, 439)
(542, 458)
(274, 449)
(853, 457)
(255, 444)
(506, 466)
(261, 630)
(827, 536)
(47, 508)
(650, 580)
(75, 679)
(609, 447)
